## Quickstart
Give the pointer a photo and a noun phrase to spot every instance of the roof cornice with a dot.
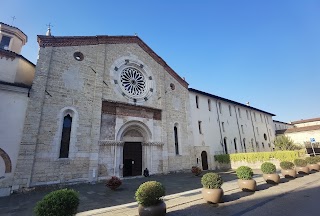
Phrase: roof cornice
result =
(52, 41)
(227, 100)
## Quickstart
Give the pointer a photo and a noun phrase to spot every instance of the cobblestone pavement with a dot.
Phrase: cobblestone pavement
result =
(95, 196)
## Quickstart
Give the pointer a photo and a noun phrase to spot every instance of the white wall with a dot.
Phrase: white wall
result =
(12, 114)
(281, 126)
(304, 136)
(211, 136)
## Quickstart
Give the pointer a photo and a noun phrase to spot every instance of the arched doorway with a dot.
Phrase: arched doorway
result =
(204, 160)
(134, 155)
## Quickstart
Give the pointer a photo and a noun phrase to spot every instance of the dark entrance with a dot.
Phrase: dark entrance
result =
(132, 159)
(204, 160)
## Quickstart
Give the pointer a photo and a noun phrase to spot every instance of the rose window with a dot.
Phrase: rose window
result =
(133, 81)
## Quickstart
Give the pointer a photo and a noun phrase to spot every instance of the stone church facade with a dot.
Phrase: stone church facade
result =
(102, 106)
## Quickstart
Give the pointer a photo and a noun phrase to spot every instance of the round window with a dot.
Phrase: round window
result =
(133, 81)
(78, 56)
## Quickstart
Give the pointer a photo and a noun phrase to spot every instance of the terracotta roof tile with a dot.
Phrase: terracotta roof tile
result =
(298, 129)
(305, 120)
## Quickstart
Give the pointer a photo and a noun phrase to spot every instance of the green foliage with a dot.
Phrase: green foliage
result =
(286, 165)
(150, 193)
(311, 160)
(224, 158)
(253, 157)
(60, 202)
(268, 168)
(300, 162)
(211, 180)
(317, 159)
(284, 143)
(244, 173)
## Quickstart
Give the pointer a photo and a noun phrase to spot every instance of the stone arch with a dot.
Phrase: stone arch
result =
(7, 161)
(137, 126)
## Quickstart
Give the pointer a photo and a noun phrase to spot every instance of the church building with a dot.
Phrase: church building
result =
(103, 106)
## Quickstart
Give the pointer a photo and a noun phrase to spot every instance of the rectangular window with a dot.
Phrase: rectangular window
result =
(5, 41)
(176, 144)
(239, 111)
(197, 101)
(247, 114)
(200, 129)
(223, 126)
(220, 108)
(230, 110)
(209, 104)
(242, 129)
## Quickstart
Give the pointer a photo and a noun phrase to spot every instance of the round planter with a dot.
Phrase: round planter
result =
(155, 210)
(212, 195)
(273, 178)
(302, 170)
(315, 167)
(290, 173)
(247, 185)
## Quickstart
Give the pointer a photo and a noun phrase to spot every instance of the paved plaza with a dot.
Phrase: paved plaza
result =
(184, 197)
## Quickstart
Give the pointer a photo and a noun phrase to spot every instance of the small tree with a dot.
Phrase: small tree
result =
(284, 143)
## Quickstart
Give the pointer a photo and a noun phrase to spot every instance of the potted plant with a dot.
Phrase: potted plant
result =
(287, 169)
(212, 191)
(301, 166)
(269, 173)
(196, 170)
(113, 183)
(149, 196)
(312, 163)
(245, 182)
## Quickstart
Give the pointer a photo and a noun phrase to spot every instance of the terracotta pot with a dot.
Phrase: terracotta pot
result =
(247, 185)
(315, 167)
(302, 170)
(290, 173)
(273, 178)
(155, 210)
(212, 195)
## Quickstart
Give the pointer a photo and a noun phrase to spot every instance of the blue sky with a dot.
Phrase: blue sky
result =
(265, 52)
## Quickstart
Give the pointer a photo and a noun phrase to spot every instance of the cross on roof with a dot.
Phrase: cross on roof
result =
(13, 18)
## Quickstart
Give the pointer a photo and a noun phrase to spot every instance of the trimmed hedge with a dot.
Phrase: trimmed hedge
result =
(268, 168)
(211, 181)
(244, 173)
(150, 193)
(60, 202)
(253, 157)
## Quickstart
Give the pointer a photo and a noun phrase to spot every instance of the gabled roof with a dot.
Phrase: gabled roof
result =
(52, 41)
(305, 120)
(227, 100)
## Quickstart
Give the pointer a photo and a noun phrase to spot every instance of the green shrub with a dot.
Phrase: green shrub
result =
(60, 202)
(317, 158)
(253, 157)
(244, 173)
(286, 165)
(311, 160)
(284, 143)
(268, 168)
(300, 162)
(211, 180)
(150, 193)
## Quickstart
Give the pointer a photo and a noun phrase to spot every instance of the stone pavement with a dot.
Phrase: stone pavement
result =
(295, 197)
(96, 196)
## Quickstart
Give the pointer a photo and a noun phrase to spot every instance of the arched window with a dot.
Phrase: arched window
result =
(262, 145)
(235, 145)
(65, 138)
(176, 143)
(244, 145)
(225, 145)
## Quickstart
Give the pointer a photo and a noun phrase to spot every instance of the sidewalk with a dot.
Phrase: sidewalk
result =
(236, 202)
